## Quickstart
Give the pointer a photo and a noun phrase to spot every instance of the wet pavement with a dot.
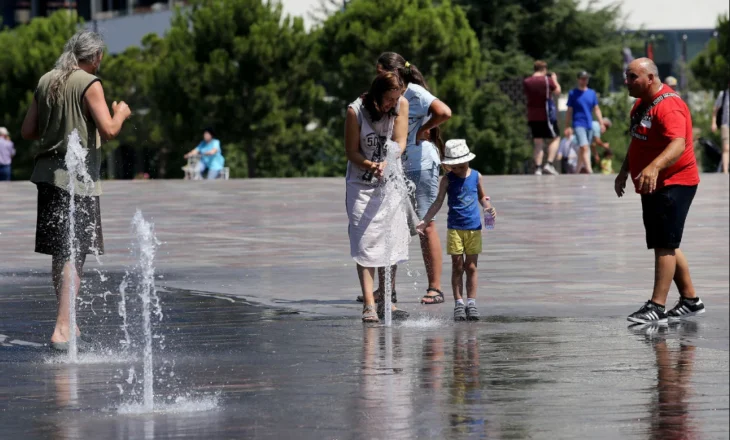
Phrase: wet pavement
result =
(261, 338)
(243, 371)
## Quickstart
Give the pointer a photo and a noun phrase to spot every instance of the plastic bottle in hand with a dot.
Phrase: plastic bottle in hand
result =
(488, 220)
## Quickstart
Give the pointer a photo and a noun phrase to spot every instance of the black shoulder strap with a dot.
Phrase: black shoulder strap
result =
(638, 116)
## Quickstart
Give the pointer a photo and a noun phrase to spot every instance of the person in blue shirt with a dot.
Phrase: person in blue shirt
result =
(211, 156)
(582, 103)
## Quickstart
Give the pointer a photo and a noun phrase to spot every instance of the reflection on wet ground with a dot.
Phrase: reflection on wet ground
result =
(230, 369)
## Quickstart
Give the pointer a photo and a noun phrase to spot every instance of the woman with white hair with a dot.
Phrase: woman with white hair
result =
(70, 98)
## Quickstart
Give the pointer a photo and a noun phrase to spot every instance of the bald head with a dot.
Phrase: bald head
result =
(642, 78)
(645, 65)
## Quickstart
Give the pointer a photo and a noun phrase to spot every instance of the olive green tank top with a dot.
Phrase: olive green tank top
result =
(55, 123)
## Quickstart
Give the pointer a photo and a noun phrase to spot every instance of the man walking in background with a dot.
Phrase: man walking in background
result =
(542, 115)
(721, 118)
(582, 102)
(7, 151)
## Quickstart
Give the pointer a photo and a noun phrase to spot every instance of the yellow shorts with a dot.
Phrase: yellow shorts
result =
(459, 242)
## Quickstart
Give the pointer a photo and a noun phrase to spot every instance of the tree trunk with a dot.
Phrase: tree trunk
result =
(250, 161)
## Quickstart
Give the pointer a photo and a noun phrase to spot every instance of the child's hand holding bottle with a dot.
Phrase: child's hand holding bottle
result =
(490, 214)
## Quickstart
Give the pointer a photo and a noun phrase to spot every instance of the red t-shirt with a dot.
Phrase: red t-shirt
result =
(668, 120)
(536, 94)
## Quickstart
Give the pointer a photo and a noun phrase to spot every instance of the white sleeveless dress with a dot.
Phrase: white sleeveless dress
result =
(378, 228)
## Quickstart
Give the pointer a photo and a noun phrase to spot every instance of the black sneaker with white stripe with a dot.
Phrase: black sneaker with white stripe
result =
(686, 308)
(649, 312)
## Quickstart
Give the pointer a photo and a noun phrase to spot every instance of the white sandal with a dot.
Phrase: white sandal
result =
(369, 315)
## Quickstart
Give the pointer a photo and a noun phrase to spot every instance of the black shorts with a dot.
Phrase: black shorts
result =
(52, 231)
(543, 130)
(665, 212)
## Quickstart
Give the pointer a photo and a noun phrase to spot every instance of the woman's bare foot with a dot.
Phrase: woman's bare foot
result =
(60, 334)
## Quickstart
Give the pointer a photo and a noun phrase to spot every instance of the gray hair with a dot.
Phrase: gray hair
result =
(84, 46)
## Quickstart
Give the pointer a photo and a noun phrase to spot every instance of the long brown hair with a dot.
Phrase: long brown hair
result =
(373, 99)
(435, 134)
(393, 62)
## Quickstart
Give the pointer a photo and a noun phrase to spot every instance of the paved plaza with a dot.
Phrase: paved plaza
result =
(261, 335)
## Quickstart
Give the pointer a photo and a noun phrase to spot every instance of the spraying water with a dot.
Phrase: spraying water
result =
(396, 193)
(147, 245)
(142, 280)
(127, 342)
(78, 179)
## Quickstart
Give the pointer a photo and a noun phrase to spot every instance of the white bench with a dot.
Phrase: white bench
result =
(192, 172)
(191, 169)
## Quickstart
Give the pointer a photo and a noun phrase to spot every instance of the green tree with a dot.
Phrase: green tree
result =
(243, 68)
(127, 78)
(496, 130)
(513, 33)
(27, 53)
(438, 39)
(712, 66)
(617, 106)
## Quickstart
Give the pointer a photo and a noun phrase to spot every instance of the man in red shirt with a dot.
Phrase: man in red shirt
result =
(662, 165)
(539, 88)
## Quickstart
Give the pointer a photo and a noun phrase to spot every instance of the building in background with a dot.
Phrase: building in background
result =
(673, 49)
(15, 12)
(122, 22)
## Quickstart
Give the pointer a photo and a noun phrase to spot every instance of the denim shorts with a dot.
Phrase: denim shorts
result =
(426, 191)
(583, 136)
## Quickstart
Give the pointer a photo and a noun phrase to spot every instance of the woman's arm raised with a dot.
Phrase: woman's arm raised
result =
(440, 113)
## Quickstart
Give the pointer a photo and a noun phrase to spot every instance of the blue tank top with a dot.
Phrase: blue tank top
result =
(464, 209)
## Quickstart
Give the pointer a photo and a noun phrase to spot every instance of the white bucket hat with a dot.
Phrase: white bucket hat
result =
(4, 131)
(457, 152)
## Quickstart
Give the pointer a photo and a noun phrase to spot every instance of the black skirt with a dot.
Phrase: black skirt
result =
(52, 227)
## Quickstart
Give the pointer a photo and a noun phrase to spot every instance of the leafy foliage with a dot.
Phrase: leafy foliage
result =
(437, 39)
(276, 93)
(28, 52)
(711, 68)
(242, 68)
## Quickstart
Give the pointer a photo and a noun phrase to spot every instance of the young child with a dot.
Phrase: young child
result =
(568, 155)
(464, 223)
(607, 162)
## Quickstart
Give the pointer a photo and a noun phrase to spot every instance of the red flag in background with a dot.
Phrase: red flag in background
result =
(650, 50)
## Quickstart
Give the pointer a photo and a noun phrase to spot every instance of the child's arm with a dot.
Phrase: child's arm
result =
(436, 206)
(484, 200)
